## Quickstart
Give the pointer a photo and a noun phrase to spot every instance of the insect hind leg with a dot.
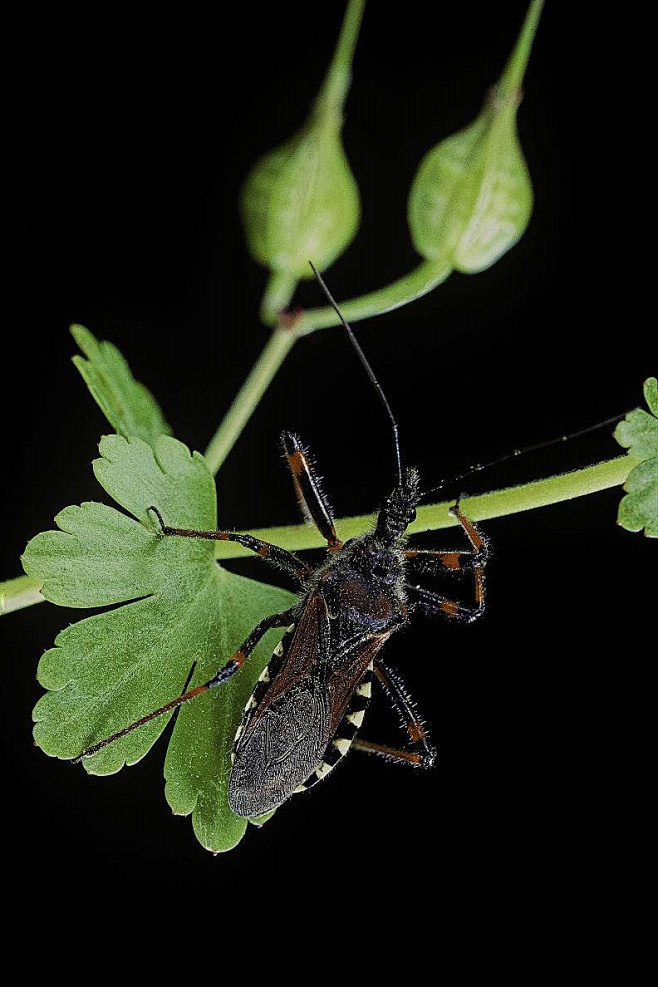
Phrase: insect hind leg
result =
(420, 752)
(453, 562)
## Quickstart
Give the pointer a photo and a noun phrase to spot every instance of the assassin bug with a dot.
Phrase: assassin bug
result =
(308, 705)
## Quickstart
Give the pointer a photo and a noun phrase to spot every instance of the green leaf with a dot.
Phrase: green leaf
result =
(181, 612)
(128, 405)
(639, 434)
(639, 508)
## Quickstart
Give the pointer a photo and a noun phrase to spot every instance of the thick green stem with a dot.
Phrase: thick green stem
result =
(18, 593)
(511, 80)
(498, 503)
(247, 398)
(23, 592)
(418, 282)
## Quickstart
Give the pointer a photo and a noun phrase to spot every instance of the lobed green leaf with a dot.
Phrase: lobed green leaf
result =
(183, 616)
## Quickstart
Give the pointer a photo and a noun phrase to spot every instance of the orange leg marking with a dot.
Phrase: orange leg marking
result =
(393, 752)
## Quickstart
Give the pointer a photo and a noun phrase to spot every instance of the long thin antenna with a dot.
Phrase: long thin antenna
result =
(368, 368)
(478, 467)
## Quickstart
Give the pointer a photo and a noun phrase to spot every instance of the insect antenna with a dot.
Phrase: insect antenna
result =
(479, 467)
(364, 360)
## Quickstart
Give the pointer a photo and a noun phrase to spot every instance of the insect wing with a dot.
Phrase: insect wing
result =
(346, 678)
(287, 731)
(284, 733)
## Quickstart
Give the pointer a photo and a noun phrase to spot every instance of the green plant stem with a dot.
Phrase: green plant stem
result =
(279, 290)
(407, 289)
(511, 80)
(18, 593)
(279, 345)
(498, 503)
(337, 80)
(23, 591)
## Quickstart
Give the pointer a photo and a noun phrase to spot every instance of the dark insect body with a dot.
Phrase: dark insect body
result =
(308, 705)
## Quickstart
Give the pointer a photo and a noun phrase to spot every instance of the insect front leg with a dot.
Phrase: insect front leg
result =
(271, 553)
(308, 488)
(433, 603)
(451, 561)
(233, 665)
(472, 561)
(420, 753)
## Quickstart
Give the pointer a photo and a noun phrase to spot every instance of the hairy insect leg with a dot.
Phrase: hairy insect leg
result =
(473, 561)
(452, 561)
(425, 754)
(478, 541)
(271, 553)
(433, 603)
(310, 495)
(395, 754)
(233, 665)
(440, 560)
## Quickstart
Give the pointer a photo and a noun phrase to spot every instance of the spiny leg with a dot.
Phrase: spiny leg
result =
(395, 754)
(233, 665)
(271, 553)
(433, 603)
(473, 561)
(425, 754)
(450, 560)
(430, 561)
(310, 495)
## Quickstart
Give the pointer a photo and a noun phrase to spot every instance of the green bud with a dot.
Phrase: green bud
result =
(301, 202)
(471, 198)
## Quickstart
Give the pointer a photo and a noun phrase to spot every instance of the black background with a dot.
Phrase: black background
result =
(128, 133)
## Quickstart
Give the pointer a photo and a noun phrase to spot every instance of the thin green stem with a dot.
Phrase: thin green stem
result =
(279, 290)
(281, 286)
(18, 593)
(414, 285)
(498, 503)
(511, 80)
(261, 375)
(23, 591)
(337, 80)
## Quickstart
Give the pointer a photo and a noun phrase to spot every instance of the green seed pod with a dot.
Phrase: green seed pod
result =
(301, 202)
(471, 198)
